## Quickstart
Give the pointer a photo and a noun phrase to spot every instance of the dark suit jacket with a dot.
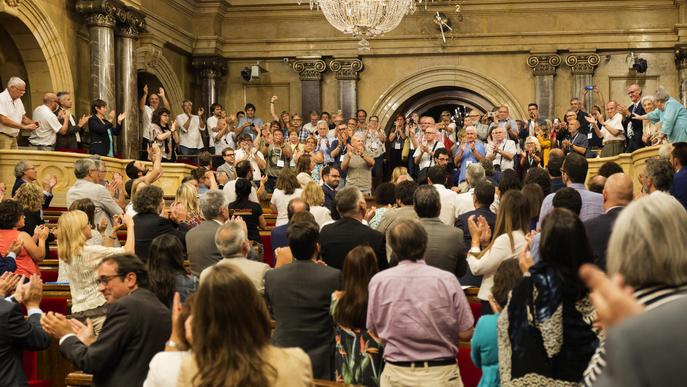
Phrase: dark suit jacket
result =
(100, 139)
(300, 296)
(136, 328)
(635, 142)
(19, 182)
(16, 335)
(67, 140)
(340, 237)
(445, 248)
(462, 223)
(329, 195)
(200, 246)
(679, 187)
(599, 232)
(149, 226)
(278, 236)
(556, 184)
(648, 350)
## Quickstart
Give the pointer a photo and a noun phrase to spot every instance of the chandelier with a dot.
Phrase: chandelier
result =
(365, 19)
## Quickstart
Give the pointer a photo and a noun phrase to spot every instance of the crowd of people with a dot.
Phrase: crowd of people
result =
(358, 293)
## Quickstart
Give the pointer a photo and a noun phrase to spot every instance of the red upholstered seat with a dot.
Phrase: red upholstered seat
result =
(30, 364)
(268, 254)
(476, 311)
(54, 304)
(48, 275)
(468, 372)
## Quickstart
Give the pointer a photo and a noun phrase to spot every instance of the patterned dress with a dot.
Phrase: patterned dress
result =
(358, 356)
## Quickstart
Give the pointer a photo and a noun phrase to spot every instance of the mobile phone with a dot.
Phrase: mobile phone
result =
(589, 87)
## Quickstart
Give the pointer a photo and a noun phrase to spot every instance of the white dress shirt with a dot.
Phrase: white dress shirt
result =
(48, 126)
(190, 138)
(12, 109)
(449, 204)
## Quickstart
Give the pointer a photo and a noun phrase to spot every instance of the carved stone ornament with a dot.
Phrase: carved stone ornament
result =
(582, 63)
(131, 22)
(544, 64)
(99, 13)
(12, 3)
(210, 66)
(681, 57)
(310, 69)
(346, 69)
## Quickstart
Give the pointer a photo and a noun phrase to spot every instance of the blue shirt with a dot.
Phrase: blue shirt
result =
(469, 158)
(253, 132)
(485, 350)
(673, 120)
(592, 204)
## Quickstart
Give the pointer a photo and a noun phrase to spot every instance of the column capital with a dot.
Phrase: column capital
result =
(309, 69)
(582, 63)
(346, 68)
(131, 22)
(99, 13)
(681, 57)
(210, 67)
(544, 64)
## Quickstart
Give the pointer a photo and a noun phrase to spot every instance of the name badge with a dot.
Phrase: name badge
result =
(589, 136)
(397, 145)
(280, 163)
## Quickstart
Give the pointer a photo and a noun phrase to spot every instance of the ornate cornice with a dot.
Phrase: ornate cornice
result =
(544, 64)
(108, 13)
(346, 68)
(209, 67)
(130, 22)
(309, 69)
(12, 3)
(681, 57)
(582, 63)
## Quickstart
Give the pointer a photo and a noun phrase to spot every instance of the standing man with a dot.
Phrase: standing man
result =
(532, 124)
(578, 142)
(49, 126)
(502, 150)
(249, 124)
(361, 116)
(215, 115)
(200, 240)
(576, 107)
(71, 139)
(330, 182)
(678, 158)
(12, 114)
(147, 111)
(229, 167)
(424, 152)
(611, 130)
(633, 127)
(430, 301)
(468, 151)
(503, 120)
(190, 141)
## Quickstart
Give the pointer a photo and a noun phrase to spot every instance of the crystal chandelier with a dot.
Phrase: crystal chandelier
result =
(365, 19)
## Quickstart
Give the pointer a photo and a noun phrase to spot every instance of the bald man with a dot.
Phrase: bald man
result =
(617, 194)
(49, 124)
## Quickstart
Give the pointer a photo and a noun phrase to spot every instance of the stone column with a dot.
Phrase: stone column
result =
(132, 23)
(346, 71)
(310, 71)
(681, 62)
(544, 69)
(100, 18)
(210, 70)
(582, 67)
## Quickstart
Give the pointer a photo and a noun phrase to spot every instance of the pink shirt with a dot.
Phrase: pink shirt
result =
(25, 264)
(417, 310)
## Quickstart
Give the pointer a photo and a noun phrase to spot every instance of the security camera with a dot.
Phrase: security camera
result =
(640, 65)
(246, 74)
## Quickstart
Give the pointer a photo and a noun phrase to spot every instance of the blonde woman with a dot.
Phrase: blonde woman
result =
(531, 156)
(398, 172)
(81, 263)
(314, 196)
(30, 196)
(187, 198)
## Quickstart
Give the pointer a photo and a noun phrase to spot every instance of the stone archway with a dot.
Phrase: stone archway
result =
(443, 76)
(150, 59)
(40, 45)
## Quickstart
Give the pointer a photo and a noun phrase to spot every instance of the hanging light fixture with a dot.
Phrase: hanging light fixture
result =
(365, 19)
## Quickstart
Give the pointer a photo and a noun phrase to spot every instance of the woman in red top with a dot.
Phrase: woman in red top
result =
(12, 219)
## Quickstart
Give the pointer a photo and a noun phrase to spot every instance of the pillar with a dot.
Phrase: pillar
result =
(681, 62)
(310, 71)
(210, 71)
(346, 71)
(100, 18)
(544, 69)
(131, 24)
(582, 67)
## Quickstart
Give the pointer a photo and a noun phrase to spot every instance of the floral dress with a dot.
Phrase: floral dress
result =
(358, 355)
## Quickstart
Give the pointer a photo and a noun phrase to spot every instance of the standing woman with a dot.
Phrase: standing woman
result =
(102, 129)
(531, 156)
(374, 144)
(287, 188)
(166, 272)
(651, 135)
(251, 213)
(30, 196)
(357, 164)
(314, 197)
(543, 133)
(295, 147)
(81, 263)
(187, 198)
(304, 169)
(164, 135)
(358, 355)
(33, 252)
(507, 240)
(397, 138)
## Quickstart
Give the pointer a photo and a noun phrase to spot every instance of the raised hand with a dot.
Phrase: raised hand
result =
(83, 120)
(273, 99)
(525, 260)
(145, 89)
(161, 92)
(201, 111)
(121, 117)
(8, 282)
(84, 332)
(102, 225)
(111, 116)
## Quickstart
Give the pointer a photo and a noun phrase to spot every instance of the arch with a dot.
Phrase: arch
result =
(442, 76)
(44, 56)
(150, 59)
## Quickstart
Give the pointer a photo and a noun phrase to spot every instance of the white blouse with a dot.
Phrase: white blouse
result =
(82, 271)
(486, 265)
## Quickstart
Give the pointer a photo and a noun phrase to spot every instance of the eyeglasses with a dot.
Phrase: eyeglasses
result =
(105, 279)
(229, 154)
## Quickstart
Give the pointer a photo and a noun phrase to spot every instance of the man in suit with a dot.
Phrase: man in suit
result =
(300, 296)
(348, 232)
(200, 240)
(532, 123)
(232, 242)
(445, 248)
(136, 328)
(617, 194)
(483, 197)
(678, 157)
(278, 236)
(17, 333)
(438, 178)
(633, 127)
(87, 187)
(330, 182)
(556, 157)
(149, 203)
(25, 172)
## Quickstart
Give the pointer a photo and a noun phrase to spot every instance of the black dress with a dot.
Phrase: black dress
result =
(250, 212)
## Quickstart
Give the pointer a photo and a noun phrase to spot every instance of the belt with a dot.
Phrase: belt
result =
(614, 141)
(425, 363)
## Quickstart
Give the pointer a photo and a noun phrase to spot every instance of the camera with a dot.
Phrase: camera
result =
(589, 87)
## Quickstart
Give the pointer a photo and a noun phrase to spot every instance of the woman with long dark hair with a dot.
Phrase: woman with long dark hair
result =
(102, 128)
(166, 272)
(545, 331)
(251, 213)
(163, 134)
(358, 354)
(287, 188)
(231, 339)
